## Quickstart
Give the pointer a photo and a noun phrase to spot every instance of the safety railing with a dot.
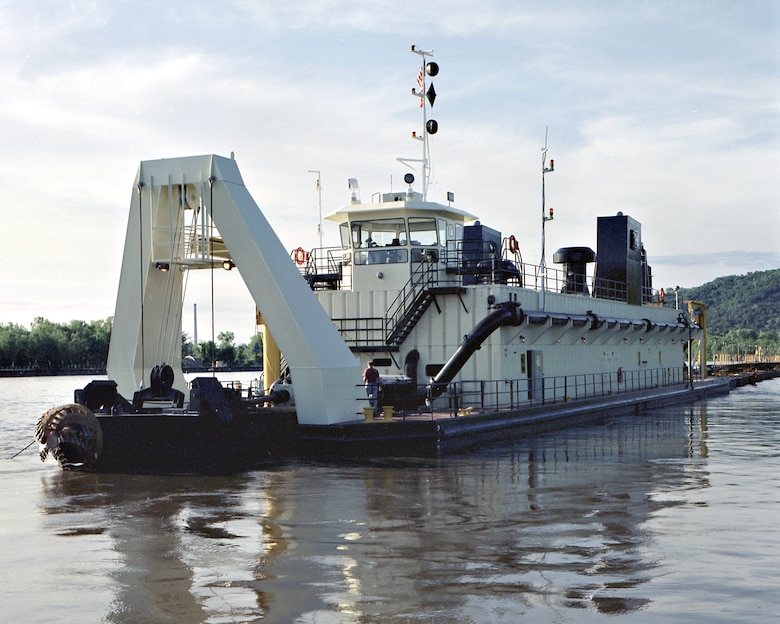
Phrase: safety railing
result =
(424, 275)
(332, 267)
(488, 396)
(362, 333)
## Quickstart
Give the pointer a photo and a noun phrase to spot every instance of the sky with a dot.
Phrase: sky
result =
(667, 111)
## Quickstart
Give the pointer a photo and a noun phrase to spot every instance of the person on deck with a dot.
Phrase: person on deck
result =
(371, 379)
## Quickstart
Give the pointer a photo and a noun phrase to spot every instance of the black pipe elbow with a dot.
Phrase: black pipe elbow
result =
(508, 313)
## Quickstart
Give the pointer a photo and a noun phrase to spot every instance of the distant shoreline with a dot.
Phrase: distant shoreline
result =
(43, 372)
(72, 372)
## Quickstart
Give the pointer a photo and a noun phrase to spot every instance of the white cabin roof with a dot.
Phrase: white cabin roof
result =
(399, 203)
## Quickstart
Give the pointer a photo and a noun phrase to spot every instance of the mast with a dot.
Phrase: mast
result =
(319, 201)
(545, 219)
(427, 97)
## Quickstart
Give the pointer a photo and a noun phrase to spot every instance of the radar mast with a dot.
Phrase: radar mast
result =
(427, 96)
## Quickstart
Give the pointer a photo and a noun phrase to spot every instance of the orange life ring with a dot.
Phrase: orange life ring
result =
(619, 374)
(300, 255)
(513, 244)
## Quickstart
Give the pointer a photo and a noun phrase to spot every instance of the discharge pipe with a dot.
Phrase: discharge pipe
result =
(505, 314)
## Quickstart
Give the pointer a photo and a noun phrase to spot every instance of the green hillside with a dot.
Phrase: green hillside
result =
(743, 312)
(749, 301)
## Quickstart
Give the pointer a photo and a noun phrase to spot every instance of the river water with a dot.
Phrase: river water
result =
(671, 515)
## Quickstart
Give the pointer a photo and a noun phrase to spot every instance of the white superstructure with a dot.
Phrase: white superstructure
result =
(416, 277)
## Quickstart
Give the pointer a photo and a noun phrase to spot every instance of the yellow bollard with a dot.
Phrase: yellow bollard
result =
(368, 414)
(387, 412)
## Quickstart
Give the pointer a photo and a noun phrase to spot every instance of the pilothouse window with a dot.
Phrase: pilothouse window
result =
(382, 255)
(422, 231)
(344, 234)
(374, 233)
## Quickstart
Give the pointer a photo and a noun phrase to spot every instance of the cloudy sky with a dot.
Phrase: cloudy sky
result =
(667, 111)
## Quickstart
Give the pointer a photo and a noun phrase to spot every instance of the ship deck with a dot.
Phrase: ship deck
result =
(186, 442)
(437, 431)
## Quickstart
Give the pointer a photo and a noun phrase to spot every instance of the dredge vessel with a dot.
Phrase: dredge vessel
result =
(471, 342)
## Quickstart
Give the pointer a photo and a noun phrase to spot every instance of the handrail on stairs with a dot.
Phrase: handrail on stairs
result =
(424, 276)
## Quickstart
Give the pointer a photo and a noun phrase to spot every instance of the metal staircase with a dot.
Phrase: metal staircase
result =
(413, 300)
(387, 333)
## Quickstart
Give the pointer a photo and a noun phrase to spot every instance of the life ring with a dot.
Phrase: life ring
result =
(300, 256)
(514, 246)
(619, 374)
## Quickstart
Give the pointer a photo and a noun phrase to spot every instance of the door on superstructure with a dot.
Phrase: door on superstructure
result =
(535, 375)
(609, 368)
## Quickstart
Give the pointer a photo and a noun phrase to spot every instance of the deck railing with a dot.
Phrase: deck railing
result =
(479, 396)
(362, 333)
(504, 269)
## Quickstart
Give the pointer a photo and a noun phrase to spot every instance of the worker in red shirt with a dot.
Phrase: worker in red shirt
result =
(371, 379)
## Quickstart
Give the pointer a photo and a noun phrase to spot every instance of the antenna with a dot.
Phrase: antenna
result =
(545, 219)
(427, 97)
(319, 196)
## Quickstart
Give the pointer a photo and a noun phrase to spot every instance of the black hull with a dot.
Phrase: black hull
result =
(192, 443)
(189, 443)
(370, 440)
(423, 438)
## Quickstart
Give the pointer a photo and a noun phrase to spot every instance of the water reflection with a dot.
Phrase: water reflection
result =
(555, 523)
(188, 549)
(560, 519)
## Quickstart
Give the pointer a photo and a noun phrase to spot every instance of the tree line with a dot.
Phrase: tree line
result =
(48, 346)
(223, 351)
(59, 347)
